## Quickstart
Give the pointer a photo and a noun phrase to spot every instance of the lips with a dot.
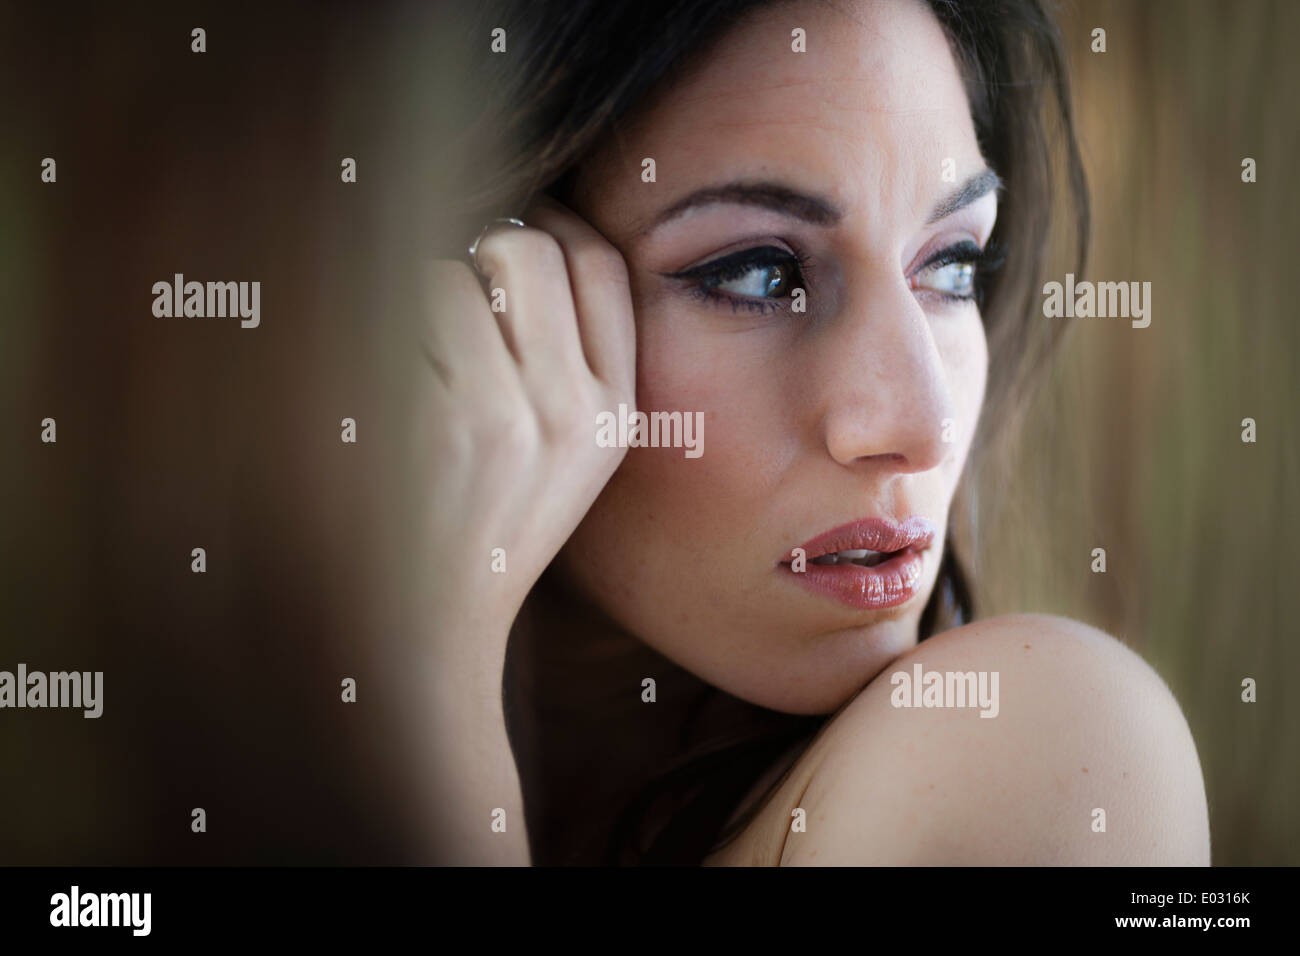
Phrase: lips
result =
(869, 564)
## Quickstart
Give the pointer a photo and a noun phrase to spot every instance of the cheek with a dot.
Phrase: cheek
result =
(714, 380)
(666, 521)
(963, 349)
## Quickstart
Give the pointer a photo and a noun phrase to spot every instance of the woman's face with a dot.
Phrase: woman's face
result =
(860, 407)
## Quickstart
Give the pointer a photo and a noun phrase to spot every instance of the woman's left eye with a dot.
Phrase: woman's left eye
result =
(754, 279)
(956, 279)
(955, 273)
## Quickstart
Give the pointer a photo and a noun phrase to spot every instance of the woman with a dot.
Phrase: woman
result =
(783, 221)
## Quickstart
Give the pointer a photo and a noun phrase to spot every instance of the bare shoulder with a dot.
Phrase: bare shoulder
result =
(1020, 740)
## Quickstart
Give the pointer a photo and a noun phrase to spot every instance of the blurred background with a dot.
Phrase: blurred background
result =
(1134, 443)
(222, 690)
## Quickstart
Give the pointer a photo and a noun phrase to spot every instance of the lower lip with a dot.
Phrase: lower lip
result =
(888, 584)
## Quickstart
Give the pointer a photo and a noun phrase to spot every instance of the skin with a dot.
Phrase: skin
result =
(669, 566)
(812, 420)
(1084, 724)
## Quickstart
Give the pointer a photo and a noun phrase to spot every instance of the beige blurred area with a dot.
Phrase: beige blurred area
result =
(1134, 444)
(223, 689)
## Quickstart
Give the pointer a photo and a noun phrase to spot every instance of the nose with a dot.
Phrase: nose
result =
(882, 382)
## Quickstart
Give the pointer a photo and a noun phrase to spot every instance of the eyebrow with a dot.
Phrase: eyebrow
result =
(972, 189)
(769, 195)
(808, 207)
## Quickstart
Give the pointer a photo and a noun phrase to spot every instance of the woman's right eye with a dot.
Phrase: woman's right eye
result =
(753, 278)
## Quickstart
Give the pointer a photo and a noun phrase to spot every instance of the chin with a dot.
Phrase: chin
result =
(823, 673)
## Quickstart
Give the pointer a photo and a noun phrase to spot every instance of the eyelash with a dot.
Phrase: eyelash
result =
(706, 277)
(739, 264)
(985, 262)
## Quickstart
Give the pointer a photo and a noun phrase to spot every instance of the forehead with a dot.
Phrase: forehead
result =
(876, 103)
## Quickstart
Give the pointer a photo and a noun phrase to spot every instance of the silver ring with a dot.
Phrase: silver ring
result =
(473, 249)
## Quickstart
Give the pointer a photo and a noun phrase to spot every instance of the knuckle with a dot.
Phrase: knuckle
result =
(459, 443)
(545, 251)
(602, 262)
(517, 435)
(494, 417)
(571, 408)
(444, 436)
(534, 247)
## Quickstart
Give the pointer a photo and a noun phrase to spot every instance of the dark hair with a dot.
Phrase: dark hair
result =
(581, 65)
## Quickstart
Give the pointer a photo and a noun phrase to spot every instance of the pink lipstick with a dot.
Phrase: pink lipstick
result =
(870, 564)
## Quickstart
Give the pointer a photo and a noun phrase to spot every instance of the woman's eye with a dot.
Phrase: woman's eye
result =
(753, 279)
(760, 282)
(956, 279)
(958, 272)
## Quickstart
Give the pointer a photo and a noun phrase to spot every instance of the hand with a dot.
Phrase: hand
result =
(509, 422)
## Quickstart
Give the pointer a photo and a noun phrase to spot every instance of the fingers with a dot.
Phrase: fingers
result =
(558, 311)
(539, 320)
(602, 294)
(462, 326)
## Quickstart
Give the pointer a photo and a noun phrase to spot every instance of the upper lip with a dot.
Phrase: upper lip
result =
(873, 534)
